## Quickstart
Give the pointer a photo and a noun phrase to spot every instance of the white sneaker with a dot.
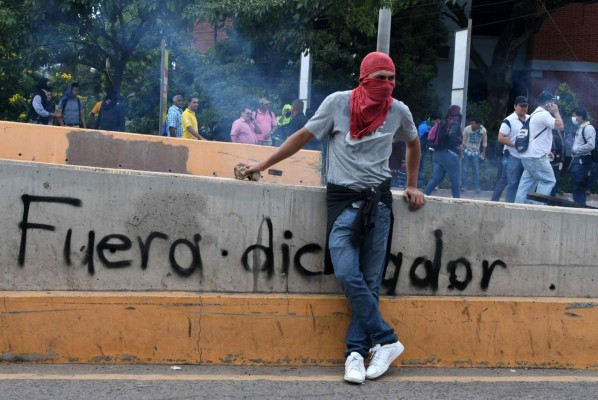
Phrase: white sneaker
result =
(354, 368)
(382, 357)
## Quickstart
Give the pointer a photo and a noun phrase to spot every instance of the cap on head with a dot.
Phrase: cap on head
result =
(264, 100)
(519, 100)
(375, 61)
(545, 97)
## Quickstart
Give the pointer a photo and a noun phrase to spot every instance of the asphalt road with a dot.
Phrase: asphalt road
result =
(33, 382)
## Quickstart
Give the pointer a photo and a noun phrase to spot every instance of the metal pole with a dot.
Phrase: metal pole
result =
(163, 85)
(384, 20)
(461, 70)
(305, 79)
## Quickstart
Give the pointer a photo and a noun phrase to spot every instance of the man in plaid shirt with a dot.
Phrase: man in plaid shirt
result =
(173, 118)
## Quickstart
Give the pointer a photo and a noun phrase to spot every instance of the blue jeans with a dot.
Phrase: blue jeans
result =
(398, 178)
(422, 166)
(359, 271)
(579, 170)
(536, 171)
(557, 176)
(501, 182)
(473, 163)
(445, 161)
(593, 176)
(514, 171)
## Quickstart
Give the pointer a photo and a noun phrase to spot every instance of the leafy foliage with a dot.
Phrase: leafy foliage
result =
(117, 42)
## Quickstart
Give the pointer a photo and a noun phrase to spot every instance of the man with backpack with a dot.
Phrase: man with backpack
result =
(507, 133)
(584, 153)
(445, 139)
(423, 130)
(71, 108)
(537, 174)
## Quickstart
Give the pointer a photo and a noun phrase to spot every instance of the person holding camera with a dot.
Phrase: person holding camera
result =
(538, 175)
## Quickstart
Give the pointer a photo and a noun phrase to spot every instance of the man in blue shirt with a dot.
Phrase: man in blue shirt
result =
(423, 130)
(71, 109)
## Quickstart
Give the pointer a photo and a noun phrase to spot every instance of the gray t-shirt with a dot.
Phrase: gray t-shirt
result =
(358, 164)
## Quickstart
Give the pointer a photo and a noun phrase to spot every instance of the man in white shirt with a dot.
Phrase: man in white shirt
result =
(538, 175)
(581, 163)
(507, 134)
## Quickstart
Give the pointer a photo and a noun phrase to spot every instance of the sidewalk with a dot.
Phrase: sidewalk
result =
(591, 200)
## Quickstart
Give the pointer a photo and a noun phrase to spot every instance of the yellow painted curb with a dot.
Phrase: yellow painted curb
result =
(256, 329)
(86, 147)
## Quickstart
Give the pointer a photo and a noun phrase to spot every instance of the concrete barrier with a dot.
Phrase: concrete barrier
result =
(85, 147)
(246, 258)
(128, 230)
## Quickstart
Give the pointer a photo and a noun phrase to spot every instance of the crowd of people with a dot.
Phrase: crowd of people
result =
(107, 114)
(534, 169)
(255, 125)
(457, 155)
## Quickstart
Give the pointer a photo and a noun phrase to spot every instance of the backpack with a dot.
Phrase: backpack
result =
(594, 150)
(165, 131)
(522, 140)
(62, 104)
(438, 135)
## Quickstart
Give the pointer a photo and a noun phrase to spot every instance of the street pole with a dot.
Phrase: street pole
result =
(305, 79)
(163, 85)
(384, 21)
(461, 70)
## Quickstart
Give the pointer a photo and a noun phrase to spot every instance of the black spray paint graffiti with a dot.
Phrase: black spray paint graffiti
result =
(114, 243)
(111, 243)
(268, 264)
(432, 270)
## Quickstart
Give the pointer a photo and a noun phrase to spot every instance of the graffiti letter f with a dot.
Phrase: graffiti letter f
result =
(24, 224)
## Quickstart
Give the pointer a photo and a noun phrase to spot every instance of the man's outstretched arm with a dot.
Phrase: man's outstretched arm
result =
(293, 144)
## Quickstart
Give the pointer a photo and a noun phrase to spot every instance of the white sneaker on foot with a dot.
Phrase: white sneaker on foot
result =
(354, 368)
(382, 357)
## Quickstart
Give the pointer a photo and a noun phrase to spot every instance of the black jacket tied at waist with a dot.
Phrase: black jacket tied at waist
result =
(340, 197)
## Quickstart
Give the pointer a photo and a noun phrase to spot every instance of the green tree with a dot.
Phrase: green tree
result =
(337, 36)
(15, 84)
(525, 21)
(103, 35)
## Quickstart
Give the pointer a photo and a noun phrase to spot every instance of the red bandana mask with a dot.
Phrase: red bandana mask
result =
(372, 99)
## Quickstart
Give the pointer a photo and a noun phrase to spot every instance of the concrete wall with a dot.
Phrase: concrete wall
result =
(123, 266)
(74, 146)
(140, 231)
